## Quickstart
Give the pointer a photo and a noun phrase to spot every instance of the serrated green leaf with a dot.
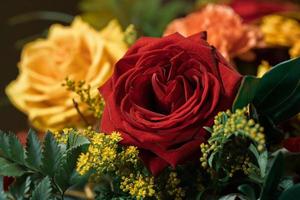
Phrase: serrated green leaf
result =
(293, 193)
(43, 190)
(11, 148)
(75, 140)
(273, 177)
(67, 168)
(33, 151)
(20, 188)
(51, 155)
(4, 145)
(17, 152)
(7, 168)
(246, 93)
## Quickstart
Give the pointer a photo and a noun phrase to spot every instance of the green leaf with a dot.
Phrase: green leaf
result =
(20, 188)
(293, 193)
(262, 162)
(3, 196)
(33, 151)
(43, 190)
(8, 168)
(253, 149)
(11, 148)
(4, 145)
(209, 129)
(67, 169)
(275, 95)
(273, 178)
(248, 191)
(262, 159)
(211, 159)
(278, 93)
(233, 196)
(75, 140)
(51, 155)
(17, 152)
(246, 92)
(286, 183)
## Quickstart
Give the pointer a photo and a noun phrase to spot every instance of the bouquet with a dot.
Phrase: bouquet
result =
(200, 112)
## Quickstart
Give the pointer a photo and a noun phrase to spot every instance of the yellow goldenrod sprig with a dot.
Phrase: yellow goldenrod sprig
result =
(138, 185)
(94, 101)
(105, 156)
(102, 154)
(231, 135)
(63, 135)
(173, 188)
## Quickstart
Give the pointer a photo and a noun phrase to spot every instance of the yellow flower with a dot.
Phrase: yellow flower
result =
(263, 68)
(295, 50)
(280, 30)
(83, 164)
(138, 186)
(78, 52)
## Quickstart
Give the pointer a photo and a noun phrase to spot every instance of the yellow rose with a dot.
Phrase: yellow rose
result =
(77, 51)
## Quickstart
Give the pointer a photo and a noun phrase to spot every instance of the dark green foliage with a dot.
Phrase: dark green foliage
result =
(276, 95)
(246, 92)
(292, 193)
(42, 172)
(21, 188)
(17, 152)
(51, 155)
(150, 17)
(43, 190)
(8, 168)
(273, 178)
(33, 151)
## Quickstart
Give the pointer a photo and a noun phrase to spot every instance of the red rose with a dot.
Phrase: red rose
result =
(162, 93)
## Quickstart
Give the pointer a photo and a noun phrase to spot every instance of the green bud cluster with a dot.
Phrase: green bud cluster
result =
(231, 135)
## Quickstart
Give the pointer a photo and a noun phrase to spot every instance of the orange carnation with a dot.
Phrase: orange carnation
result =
(224, 27)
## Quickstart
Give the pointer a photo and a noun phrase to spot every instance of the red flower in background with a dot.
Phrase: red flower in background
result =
(225, 29)
(162, 93)
(254, 9)
(292, 144)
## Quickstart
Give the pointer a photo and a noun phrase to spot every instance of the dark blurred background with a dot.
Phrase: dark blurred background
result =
(16, 27)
